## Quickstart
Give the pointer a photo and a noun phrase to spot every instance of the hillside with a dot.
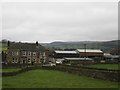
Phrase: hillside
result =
(107, 46)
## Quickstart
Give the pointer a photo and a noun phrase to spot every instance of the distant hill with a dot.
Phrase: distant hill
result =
(106, 46)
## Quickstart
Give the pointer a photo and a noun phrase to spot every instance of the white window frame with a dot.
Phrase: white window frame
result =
(40, 54)
(29, 53)
(24, 53)
(42, 59)
(39, 61)
(43, 53)
(16, 53)
(29, 60)
(13, 60)
(13, 54)
(16, 60)
(34, 60)
(34, 53)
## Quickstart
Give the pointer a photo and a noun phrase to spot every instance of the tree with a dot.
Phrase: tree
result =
(114, 51)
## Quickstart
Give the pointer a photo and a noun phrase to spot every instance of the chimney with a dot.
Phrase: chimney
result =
(36, 43)
(8, 44)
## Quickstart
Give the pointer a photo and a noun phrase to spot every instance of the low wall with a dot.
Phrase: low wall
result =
(25, 69)
(93, 73)
(93, 68)
(98, 74)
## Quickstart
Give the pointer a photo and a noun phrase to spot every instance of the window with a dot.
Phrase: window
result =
(34, 53)
(34, 60)
(29, 61)
(43, 53)
(16, 53)
(13, 61)
(13, 54)
(29, 53)
(41, 60)
(24, 53)
(16, 61)
(40, 54)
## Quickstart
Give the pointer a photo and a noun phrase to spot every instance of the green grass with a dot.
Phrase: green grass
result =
(10, 70)
(3, 47)
(105, 66)
(53, 79)
(0, 83)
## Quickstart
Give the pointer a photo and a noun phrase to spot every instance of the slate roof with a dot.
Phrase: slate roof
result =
(26, 46)
(90, 50)
(65, 52)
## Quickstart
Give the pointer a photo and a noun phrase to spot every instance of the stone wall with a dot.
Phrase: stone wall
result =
(104, 74)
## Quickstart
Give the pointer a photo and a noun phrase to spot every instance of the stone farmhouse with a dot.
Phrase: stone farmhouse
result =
(25, 53)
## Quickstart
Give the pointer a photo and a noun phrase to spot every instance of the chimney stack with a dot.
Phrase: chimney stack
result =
(8, 44)
(36, 43)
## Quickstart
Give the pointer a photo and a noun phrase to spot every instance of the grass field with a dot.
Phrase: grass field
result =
(3, 47)
(10, 70)
(105, 66)
(0, 83)
(53, 79)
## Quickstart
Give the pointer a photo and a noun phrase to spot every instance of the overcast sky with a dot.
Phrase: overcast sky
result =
(70, 21)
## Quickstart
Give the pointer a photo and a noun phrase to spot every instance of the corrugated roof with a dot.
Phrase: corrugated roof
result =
(71, 52)
(78, 59)
(90, 50)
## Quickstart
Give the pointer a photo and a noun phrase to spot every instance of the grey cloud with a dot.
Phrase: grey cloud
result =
(47, 22)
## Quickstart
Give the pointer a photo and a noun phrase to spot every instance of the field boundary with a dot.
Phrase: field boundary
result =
(111, 75)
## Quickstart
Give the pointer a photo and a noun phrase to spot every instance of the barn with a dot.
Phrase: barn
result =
(90, 53)
(77, 55)
(60, 55)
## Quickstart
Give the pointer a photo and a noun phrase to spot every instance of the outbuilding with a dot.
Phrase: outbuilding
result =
(90, 53)
(79, 61)
(58, 56)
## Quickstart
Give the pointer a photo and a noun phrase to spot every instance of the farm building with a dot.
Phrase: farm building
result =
(60, 55)
(78, 61)
(108, 56)
(79, 53)
(90, 53)
(25, 53)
